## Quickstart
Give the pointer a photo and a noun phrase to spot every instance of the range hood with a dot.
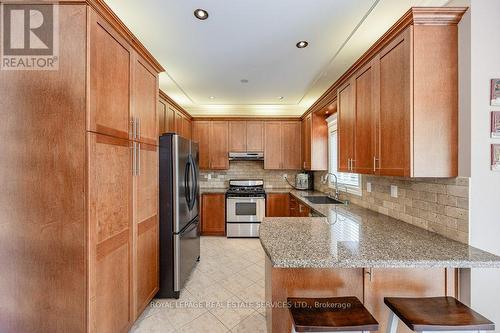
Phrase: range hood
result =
(259, 156)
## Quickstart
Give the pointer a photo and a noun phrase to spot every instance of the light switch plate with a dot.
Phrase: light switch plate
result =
(394, 191)
(209, 176)
(368, 187)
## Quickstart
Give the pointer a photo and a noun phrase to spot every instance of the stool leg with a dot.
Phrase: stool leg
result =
(392, 323)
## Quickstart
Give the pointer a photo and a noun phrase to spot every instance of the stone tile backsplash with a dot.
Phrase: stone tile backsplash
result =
(434, 204)
(246, 170)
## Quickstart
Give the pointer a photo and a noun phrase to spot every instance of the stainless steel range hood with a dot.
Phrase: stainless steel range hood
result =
(259, 156)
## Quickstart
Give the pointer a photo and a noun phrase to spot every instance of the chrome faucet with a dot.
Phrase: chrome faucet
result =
(325, 181)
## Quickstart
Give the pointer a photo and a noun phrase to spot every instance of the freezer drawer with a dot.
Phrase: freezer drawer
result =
(186, 253)
(242, 229)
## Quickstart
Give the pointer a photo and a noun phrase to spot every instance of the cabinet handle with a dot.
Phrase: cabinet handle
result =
(138, 128)
(134, 127)
(348, 164)
(138, 159)
(375, 164)
(352, 164)
(134, 158)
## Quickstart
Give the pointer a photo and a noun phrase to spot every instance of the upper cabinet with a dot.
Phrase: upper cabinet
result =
(246, 136)
(145, 101)
(315, 141)
(110, 66)
(398, 106)
(171, 119)
(282, 145)
(213, 141)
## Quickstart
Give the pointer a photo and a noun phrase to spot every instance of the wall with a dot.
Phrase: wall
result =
(245, 170)
(438, 205)
(484, 25)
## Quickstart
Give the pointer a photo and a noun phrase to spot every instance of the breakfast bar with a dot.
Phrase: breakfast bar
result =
(352, 251)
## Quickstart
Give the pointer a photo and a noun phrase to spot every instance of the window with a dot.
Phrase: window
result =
(350, 181)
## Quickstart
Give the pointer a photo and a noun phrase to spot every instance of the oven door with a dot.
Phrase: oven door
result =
(245, 209)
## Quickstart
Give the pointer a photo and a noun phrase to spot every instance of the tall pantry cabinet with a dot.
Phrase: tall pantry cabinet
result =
(79, 236)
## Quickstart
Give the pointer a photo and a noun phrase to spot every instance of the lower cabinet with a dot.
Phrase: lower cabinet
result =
(146, 259)
(298, 209)
(277, 205)
(213, 214)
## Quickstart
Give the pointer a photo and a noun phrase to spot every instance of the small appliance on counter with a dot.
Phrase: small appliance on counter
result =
(245, 207)
(304, 181)
(179, 212)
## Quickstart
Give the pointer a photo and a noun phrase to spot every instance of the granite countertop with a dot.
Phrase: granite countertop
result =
(349, 236)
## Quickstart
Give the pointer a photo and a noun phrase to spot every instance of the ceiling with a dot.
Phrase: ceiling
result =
(205, 61)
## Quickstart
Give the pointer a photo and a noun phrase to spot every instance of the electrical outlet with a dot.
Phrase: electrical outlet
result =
(285, 176)
(394, 191)
(209, 176)
(368, 187)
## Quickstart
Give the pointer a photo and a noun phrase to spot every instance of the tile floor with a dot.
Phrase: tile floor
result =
(224, 293)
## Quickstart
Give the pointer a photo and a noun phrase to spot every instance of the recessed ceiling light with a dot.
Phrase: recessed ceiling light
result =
(244, 81)
(212, 97)
(302, 44)
(281, 98)
(201, 14)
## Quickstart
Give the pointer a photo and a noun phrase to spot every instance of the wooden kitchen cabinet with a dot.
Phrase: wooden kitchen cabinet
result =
(213, 214)
(145, 101)
(178, 122)
(278, 205)
(219, 145)
(315, 142)
(74, 250)
(201, 135)
(110, 60)
(365, 123)
(404, 282)
(255, 135)
(171, 119)
(282, 145)
(397, 110)
(346, 123)
(162, 117)
(146, 228)
(238, 136)
(186, 128)
(110, 233)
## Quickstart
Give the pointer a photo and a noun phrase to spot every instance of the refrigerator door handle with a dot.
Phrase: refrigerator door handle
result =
(187, 190)
(177, 262)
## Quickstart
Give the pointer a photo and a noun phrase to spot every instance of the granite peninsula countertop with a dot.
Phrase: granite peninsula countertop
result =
(349, 236)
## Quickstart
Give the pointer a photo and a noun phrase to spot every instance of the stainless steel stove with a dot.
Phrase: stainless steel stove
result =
(245, 207)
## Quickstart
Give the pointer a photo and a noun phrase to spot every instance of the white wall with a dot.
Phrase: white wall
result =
(480, 28)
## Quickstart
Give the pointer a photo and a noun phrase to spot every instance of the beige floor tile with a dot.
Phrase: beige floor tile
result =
(231, 312)
(205, 323)
(256, 323)
(157, 323)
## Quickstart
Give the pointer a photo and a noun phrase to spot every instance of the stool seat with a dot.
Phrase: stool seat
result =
(330, 315)
(437, 314)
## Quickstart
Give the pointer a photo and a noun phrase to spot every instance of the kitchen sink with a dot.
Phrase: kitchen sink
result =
(323, 200)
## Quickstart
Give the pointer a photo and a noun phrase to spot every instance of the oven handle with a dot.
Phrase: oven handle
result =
(246, 199)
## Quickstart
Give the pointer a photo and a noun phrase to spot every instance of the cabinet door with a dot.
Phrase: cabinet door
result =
(162, 118)
(394, 117)
(219, 145)
(278, 205)
(255, 136)
(110, 63)
(146, 268)
(213, 215)
(238, 136)
(186, 128)
(201, 134)
(364, 133)
(178, 123)
(293, 207)
(346, 120)
(272, 145)
(306, 143)
(145, 101)
(303, 210)
(110, 233)
(170, 119)
(401, 282)
(290, 145)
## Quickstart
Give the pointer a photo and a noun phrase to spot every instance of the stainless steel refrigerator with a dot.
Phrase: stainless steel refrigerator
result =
(179, 212)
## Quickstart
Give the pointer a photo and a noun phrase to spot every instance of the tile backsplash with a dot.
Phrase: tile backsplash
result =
(246, 170)
(435, 204)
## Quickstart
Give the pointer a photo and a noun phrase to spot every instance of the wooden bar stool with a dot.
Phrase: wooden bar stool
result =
(330, 315)
(434, 314)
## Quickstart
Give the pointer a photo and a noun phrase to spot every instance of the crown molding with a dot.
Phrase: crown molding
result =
(170, 101)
